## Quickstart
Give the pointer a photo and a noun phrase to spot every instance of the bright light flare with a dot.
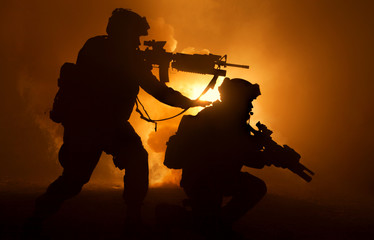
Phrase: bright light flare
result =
(211, 95)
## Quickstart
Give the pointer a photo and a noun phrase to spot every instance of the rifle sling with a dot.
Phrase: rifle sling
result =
(147, 118)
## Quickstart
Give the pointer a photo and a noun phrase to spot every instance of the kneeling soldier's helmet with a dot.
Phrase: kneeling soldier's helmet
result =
(128, 21)
(238, 89)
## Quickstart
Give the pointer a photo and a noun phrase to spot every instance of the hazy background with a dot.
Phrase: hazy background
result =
(313, 59)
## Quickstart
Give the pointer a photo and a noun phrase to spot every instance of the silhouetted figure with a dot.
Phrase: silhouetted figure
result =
(94, 103)
(211, 148)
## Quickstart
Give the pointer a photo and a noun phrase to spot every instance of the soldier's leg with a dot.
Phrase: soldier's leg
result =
(136, 184)
(129, 154)
(206, 205)
(78, 163)
(248, 192)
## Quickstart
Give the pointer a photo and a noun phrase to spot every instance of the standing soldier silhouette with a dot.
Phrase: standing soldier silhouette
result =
(94, 102)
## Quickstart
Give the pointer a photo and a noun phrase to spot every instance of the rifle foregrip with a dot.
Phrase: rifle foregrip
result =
(164, 73)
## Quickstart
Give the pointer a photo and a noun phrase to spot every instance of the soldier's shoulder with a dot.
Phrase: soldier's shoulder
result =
(96, 41)
(210, 112)
(186, 121)
(203, 119)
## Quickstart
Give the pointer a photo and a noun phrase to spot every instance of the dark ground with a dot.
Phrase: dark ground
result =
(98, 214)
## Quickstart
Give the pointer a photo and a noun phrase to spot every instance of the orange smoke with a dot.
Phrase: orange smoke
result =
(312, 62)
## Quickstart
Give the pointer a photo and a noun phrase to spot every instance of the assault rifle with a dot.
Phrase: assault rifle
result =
(284, 156)
(194, 63)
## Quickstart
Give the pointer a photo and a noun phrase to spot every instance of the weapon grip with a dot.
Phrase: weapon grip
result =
(164, 72)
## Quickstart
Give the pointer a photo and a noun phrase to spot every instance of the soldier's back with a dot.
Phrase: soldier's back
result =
(209, 146)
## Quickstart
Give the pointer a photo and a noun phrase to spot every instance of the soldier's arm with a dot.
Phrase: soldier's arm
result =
(164, 93)
(256, 159)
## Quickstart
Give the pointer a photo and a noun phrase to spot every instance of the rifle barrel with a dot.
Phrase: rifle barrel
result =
(233, 65)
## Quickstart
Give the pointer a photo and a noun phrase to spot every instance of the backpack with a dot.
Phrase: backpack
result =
(65, 94)
(178, 149)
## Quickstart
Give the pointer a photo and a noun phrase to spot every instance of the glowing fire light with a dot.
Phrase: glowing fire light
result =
(211, 95)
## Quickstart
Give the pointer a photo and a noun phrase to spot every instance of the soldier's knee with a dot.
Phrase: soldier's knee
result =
(129, 159)
(142, 158)
(66, 187)
(140, 161)
(254, 186)
(137, 169)
(261, 188)
(258, 189)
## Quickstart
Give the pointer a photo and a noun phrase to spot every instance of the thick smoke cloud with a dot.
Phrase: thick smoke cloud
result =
(157, 140)
(312, 59)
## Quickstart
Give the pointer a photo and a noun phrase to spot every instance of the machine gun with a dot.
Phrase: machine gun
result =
(155, 54)
(195, 63)
(285, 156)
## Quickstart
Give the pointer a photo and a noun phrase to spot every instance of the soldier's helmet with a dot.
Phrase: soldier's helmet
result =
(238, 90)
(125, 20)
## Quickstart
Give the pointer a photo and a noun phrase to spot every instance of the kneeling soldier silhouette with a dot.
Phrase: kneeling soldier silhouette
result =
(212, 147)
